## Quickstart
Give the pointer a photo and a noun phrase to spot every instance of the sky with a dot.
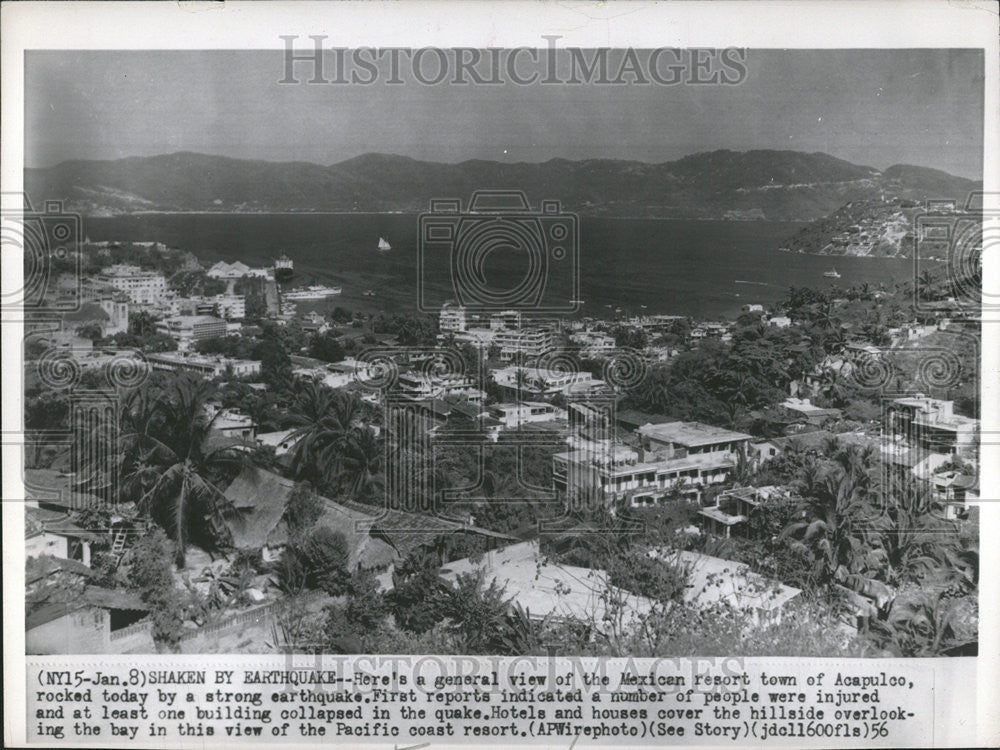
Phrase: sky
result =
(871, 107)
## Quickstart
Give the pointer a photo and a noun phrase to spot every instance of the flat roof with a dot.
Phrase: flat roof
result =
(195, 319)
(691, 433)
(724, 518)
(545, 588)
(666, 465)
(548, 589)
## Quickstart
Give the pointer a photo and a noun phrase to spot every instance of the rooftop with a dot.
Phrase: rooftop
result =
(194, 319)
(805, 406)
(587, 457)
(691, 434)
(548, 589)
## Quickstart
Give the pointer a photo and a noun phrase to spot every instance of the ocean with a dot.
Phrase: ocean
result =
(704, 269)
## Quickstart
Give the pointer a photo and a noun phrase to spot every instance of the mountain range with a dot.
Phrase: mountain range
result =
(762, 184)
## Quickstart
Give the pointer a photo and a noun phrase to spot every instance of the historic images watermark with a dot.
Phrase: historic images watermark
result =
(312, 60)
(959, 235)
(46, 242)
(50, 292)
(503, 225)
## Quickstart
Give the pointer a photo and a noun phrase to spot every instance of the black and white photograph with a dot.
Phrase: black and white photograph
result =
(545, 351)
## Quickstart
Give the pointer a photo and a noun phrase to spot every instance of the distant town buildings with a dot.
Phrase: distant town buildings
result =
(452, 319)
(231, 271)
(543, 382)
(186, 329)
(525, 342)
(209, 366)
(227, 306)
(141, 287)
(513, 415)
(419, 386)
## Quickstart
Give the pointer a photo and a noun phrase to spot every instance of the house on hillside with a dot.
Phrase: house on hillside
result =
(803, 411)
(376, 536)
(66, 614)
(50, 532)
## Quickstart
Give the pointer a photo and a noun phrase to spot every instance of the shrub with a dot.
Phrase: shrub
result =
(325, 555)
(150, 573)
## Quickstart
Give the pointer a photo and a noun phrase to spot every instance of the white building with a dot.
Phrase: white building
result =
(453, 318)
(209, 366)
(234, 424)
(228, 306)
(930, 425)
(141, 287)
(186, 329)
(237, 270)
(543, 382)
(421, 386)
(506, 319)
(282, 441)
(593, 344)
(679, 439)
(526, 342)
(514, 414)
(615, 474)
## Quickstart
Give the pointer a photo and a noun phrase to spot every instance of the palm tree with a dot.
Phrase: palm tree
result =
(655, 389)
(169, 460)
(831, 528)
(924, 624)
(323, 420)
(521, 380)
(362, 463)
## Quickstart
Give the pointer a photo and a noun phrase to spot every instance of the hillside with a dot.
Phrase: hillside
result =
(775, 185)
(871, 228)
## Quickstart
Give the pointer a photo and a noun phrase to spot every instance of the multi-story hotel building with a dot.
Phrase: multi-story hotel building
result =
(142, 287)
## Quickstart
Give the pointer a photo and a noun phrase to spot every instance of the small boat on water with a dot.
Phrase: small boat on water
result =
(831, 274)
(383, 245)
(368, 293)
(312, 292)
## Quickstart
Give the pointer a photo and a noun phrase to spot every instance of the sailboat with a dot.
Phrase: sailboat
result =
(383, 244)
(831, 274)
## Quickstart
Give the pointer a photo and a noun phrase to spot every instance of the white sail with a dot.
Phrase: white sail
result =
(383, 244)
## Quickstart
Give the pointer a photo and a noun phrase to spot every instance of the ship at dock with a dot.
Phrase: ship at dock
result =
(311, 292)
(284, 268)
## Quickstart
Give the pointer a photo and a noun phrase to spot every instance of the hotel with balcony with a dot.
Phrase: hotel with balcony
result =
(674, 458)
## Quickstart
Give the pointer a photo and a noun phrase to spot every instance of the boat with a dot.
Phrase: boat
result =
(383, 244)
(312, 292)
(368, 293)
(284, 268)
(576, 301)
(831, 274)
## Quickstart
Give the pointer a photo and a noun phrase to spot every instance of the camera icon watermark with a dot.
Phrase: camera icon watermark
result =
(955, 236)
(499, 255)
(47, 241)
